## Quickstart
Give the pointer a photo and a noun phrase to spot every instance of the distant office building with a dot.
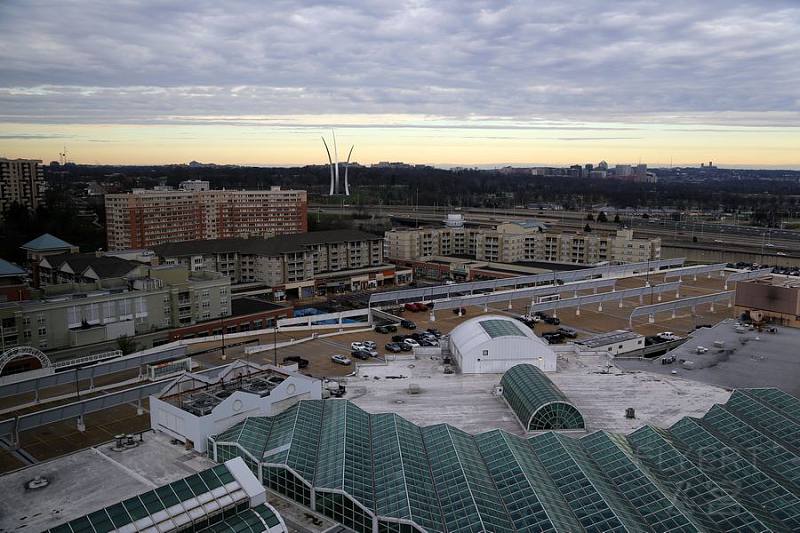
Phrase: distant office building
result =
(623, 171)
(145, 218)
(194, 185)
(293, 265)
(21, 182)
(602, 165)
(520, 242)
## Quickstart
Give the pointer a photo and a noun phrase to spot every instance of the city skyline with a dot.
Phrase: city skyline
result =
(446, 84)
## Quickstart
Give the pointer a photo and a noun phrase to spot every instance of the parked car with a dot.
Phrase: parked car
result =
(408, 324)
(410, 307)
(393, 347)
(341, 359)
(406, 347)
(553, 337)
(356, 346)
(301, 363)
(419, 306)
(385, 329)
(398, 338)
(360, 354)
(434, 331)
(552, 320)
(667, 336)
(411, 342)
(567, 332)
(369, 345)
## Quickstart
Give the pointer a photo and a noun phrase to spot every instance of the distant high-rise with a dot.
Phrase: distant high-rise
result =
(146, 218)
(602, 165)
(21, 182)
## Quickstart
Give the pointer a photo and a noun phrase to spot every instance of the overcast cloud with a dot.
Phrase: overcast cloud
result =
(677, 61)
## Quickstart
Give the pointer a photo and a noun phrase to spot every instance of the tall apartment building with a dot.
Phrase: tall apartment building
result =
(145, 218)
(21, 182)
(520, 242)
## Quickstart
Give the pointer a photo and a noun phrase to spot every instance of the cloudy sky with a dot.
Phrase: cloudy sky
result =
(452, 82)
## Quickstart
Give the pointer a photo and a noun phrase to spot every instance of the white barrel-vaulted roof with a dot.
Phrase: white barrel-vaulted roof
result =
(495, 343)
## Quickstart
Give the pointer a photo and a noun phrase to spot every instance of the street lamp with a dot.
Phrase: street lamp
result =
(222, 332)
(275, 342)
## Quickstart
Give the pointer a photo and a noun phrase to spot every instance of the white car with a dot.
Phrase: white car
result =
(411, 342)
(357, 346)
(341, 359)
(667, 336)
(369, 345)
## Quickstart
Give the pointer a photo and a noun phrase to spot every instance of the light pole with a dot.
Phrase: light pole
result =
(222, 332)
(275, 342)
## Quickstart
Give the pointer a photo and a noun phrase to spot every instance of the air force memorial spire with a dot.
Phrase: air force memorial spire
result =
(334, 165)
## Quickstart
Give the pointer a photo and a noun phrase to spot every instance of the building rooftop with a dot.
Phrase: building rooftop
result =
(10, 270)
(602, 394)
(199, 394)
(227, 491)
(46, 242)
(92, 479)
(747, 359)
(250, 305)
(269, 247)
(777, 281)
(105, 266)
(611, 337)
(443, 479)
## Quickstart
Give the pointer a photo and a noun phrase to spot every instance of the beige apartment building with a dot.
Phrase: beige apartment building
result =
(299, 265)
(21, 182)
(520, 242)
(68, 315)
(145, 218)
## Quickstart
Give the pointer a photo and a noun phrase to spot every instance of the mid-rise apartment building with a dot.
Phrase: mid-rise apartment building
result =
(520, 242)
(21, 182)
(145, 218)
(77, 314)
(305, 264)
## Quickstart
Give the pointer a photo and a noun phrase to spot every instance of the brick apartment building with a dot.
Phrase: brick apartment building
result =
(145, 218)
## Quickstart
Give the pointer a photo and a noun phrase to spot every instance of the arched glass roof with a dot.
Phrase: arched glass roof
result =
(538, 403)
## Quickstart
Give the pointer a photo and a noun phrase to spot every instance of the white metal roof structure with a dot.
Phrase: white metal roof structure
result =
(695, 270)
(459, 289)
(651, 310)
(493, 344)
(640, 292)
(747, 275)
